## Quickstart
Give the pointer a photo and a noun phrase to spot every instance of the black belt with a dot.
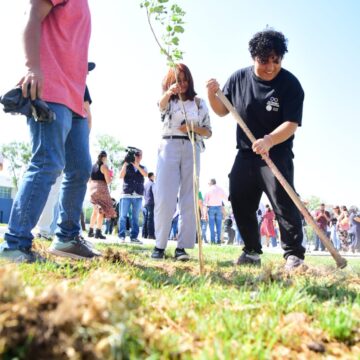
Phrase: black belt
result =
(176, 137)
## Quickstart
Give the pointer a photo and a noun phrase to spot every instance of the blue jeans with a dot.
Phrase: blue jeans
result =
(238, 238)
(55, 219)
(60, 145)
(109, 223)
(319, 244)
(273, 241)
(135, 204)
(204, 224)
(174, 228)
(215, 219)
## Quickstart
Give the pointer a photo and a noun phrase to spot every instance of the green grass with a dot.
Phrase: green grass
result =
(171, 312)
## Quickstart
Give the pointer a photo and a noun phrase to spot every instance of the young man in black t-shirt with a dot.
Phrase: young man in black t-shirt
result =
(270, 101)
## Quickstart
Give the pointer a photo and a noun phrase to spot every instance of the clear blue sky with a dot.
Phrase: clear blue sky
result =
(324, 54)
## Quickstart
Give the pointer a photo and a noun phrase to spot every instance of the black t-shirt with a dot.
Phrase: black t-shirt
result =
(264, 105)
(87, 96)
(96, 173)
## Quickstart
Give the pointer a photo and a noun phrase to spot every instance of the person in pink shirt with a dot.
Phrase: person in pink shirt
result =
(214, 201)
(56, 39)
(267, 228)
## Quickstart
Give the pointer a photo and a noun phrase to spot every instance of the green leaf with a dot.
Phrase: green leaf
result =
(175, 18)
(175, 40)
(178, 29)
(169, 28)
(158, 9)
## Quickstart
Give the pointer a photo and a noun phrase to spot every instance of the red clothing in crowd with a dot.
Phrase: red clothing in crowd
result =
(267, 225)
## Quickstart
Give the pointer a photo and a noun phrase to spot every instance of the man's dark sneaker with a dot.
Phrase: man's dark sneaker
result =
(181, 254)
(158, 254)
(293, 262)
(91, 245)
(136, 241)
(21, 255)
(91, 232)
(77, 248)
(252, 259)
(99, 235)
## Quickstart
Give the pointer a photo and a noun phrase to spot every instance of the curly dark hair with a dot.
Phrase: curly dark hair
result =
(266, 42)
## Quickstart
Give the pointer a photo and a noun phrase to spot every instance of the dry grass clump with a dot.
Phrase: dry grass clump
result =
(65, 322)
(116, 256)
(307, 342)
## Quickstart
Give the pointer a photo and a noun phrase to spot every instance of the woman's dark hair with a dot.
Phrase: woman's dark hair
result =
(100, 156)
(170, 79)
(266, 43)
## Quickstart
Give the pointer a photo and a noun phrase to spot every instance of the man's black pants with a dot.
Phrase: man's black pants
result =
(249, 178)
(148, 226)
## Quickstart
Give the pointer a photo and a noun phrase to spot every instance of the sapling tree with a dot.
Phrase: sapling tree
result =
(168, 20)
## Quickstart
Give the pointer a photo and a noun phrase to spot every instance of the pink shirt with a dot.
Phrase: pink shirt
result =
(65, 35)
(215, 196)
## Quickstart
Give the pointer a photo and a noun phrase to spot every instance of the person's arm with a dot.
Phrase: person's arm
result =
(327, 216)
(105, 171)
(278, 136)
(341, 217)
(36, 13)
(202, 131)
(164, 100)
(123, 170)
(203, 128)
(215, 103)
(88, 113)
(318, 216)
(225, 197)
(206, 199)
(143, 172)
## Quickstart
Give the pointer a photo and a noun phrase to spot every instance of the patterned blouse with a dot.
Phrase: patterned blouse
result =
(196, 112)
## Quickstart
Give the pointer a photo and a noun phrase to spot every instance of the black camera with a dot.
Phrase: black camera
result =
(131, 153)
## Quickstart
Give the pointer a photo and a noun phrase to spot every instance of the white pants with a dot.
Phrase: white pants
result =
(47, 216)
(174, 177)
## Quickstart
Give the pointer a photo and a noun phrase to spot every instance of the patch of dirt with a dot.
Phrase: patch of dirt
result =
(116, 256)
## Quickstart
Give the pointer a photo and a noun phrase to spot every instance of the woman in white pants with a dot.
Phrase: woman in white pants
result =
(174, 176)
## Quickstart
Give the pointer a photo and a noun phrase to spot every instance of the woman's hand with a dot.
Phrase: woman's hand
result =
(183, 128)
(174, 89)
